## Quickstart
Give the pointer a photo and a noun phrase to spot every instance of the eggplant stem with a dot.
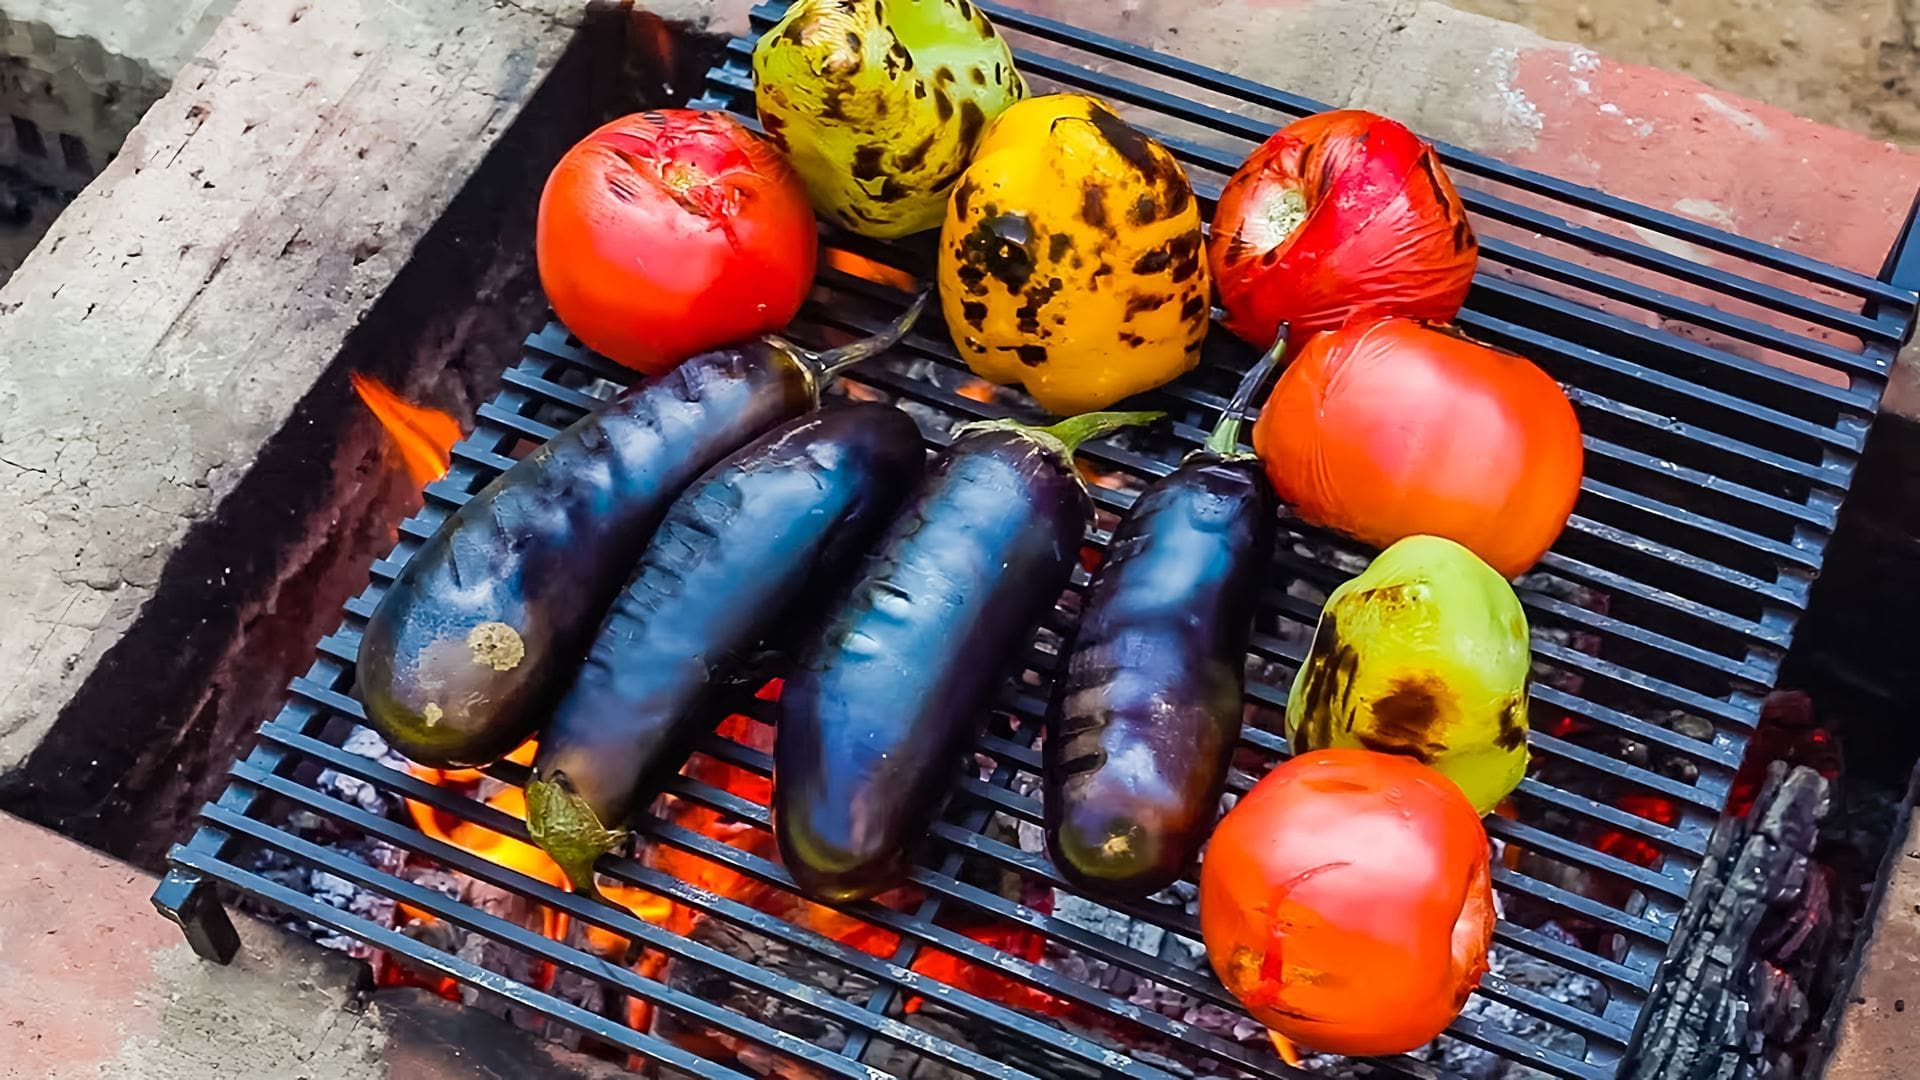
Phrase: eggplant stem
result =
(830, 363)
(1224, 443)
(1074, 430)
(566, 828)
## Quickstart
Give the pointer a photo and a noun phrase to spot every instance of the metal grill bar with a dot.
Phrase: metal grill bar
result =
(1714, 481)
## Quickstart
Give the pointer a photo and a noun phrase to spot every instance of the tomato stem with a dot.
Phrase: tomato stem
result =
(1225, 440)
(828, 364)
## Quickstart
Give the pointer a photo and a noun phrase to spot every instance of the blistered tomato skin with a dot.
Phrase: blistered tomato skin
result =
(664, 234)
(1387, 429)
(880, 103)
(1071, 261)
(1340, 216)
(1347, 902)
(1424, 654)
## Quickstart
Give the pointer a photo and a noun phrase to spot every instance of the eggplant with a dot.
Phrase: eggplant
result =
(895, 683)
(766, 534)
(1143, 722)
(473, 641)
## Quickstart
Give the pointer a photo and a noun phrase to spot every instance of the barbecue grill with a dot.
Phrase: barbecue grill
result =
(1725, 388)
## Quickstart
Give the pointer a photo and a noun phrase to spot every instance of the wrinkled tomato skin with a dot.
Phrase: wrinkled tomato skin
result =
(1383, 233)
(1388, 429)
(1347, 902)
(665, 234)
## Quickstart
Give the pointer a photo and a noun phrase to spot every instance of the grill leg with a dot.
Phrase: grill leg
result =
(188, 900)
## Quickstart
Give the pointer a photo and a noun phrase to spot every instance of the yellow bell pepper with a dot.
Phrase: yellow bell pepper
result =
(1424, 654)
(1071, 258)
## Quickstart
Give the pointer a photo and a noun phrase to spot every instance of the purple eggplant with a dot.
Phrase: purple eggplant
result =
(1144, 721)
(774, 529)
(475, 639)
(897, 682)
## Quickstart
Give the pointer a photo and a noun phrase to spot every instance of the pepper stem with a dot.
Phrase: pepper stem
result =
(830, 363)
(1225, 441)
(565, 827)
(1075, 430)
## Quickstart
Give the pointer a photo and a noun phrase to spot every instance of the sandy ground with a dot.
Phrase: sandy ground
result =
(1851, 63)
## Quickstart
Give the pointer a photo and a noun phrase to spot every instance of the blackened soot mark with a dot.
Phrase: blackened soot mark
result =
(974, 312)
(1145, 209)
(1191, 310)
(998, 248)
(1140, 302)
(866, 163)
(1028, 313)
(971, 121)
(1093, 205)
(917, 155)
(1058, 245)
(1031, 355)
(1153, 261)
(942, 104)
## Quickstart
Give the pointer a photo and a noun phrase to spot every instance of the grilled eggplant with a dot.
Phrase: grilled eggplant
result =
(474, 640)
(767, 533)
(886, 696)
(1144, 722)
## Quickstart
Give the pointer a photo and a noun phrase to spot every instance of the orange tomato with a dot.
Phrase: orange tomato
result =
(1339, 216)
(1346, 901)
(1389, 429)
(666, 234)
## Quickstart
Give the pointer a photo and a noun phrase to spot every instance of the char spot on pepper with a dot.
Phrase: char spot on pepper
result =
(1153, 261)
(974, 312)
(942, 104)
(1145, 209)
(1093, 204)
(998, 248)
(1141, 302)
(1031, 355)
(1193, 308)
(866, 163)
(916, 155)
(1513, 721)
(971, 121)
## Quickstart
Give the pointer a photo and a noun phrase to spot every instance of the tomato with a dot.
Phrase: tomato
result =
(1387, 429)
(1346, 901)
(665, 234)
(1339, 216)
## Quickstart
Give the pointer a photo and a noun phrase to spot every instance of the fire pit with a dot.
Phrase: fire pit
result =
(1725, 394)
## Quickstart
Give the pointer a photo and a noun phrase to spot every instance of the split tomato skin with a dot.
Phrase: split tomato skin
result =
(1339, 216)
(665, 234)
(1387, 429)
(1347, 902)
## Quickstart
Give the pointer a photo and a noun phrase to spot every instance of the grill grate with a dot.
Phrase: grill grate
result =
(1725, 399)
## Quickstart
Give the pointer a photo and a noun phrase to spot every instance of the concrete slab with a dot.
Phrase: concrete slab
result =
(95, 984)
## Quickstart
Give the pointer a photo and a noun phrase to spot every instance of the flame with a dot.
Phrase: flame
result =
(425, 436)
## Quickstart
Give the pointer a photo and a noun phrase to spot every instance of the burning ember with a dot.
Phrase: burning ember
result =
(424, 436)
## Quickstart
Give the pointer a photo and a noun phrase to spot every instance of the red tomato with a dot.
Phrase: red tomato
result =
(1339, 216)
(665, 234)
(1389, 429)
(1346, 901)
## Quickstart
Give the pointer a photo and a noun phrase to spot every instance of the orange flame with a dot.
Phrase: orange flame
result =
(425, 436)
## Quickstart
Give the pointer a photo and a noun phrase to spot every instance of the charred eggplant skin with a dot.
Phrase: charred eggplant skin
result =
(885, 698)
(471, 643)
(1143, 725)
(777, 523)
